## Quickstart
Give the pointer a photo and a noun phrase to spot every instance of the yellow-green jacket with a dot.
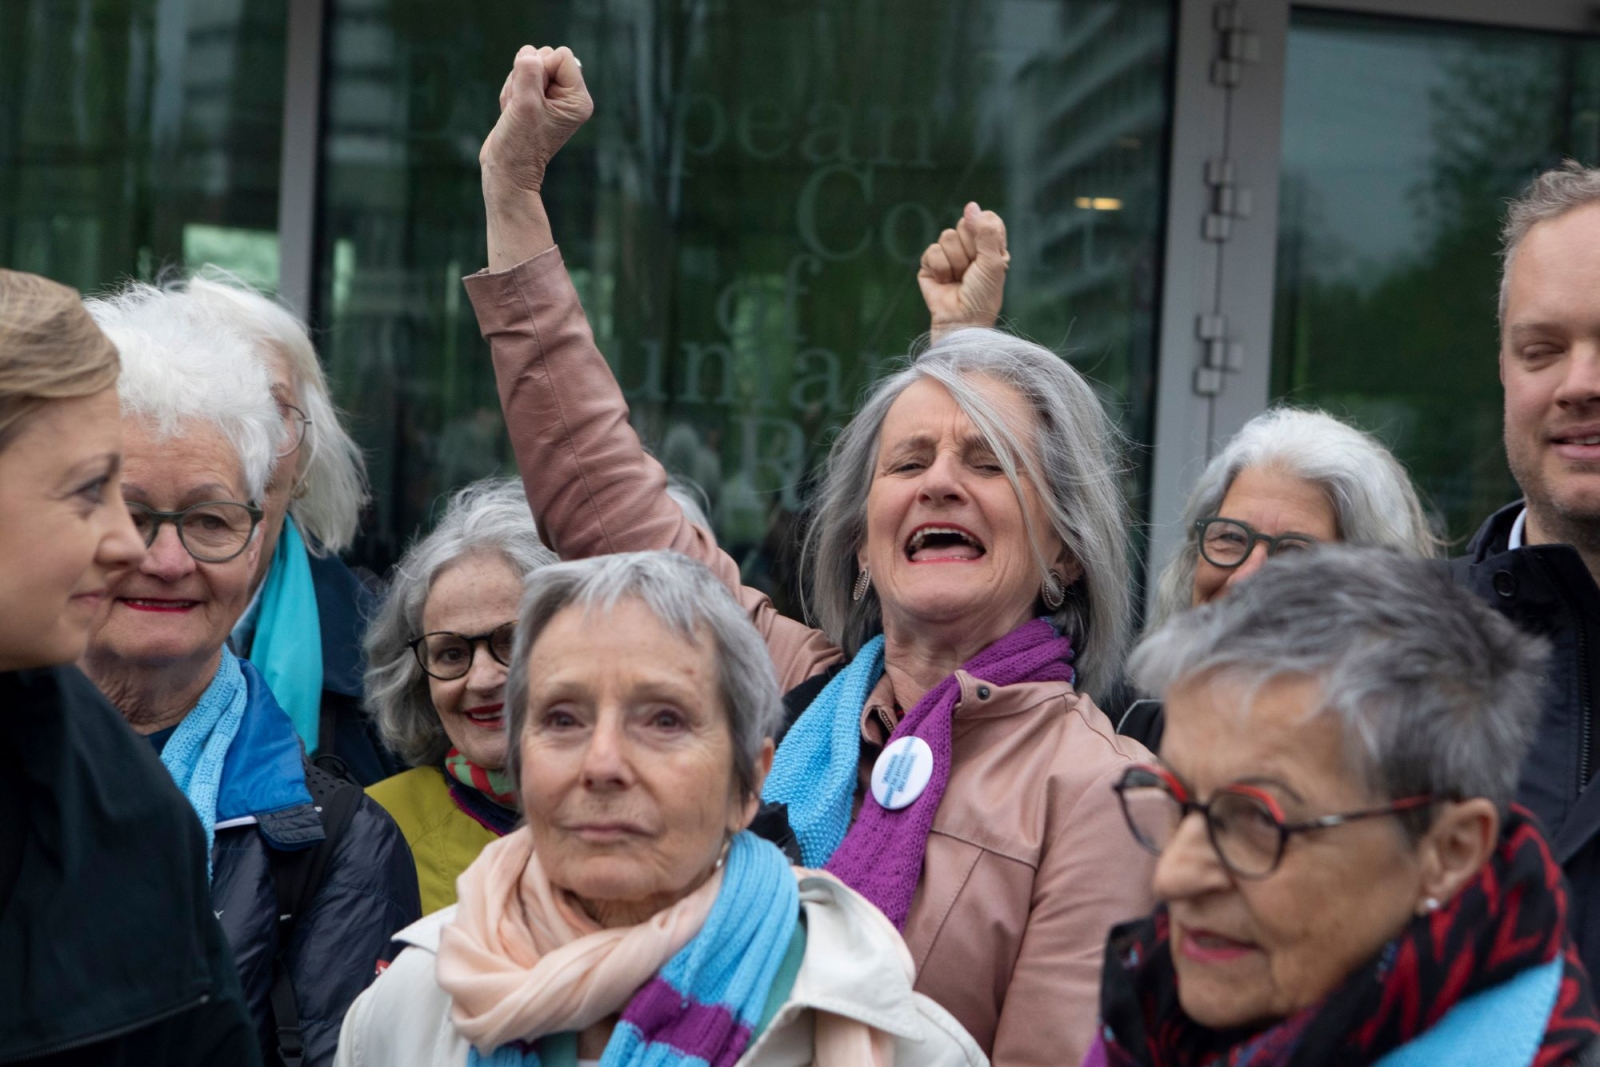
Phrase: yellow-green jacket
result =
(444, 839)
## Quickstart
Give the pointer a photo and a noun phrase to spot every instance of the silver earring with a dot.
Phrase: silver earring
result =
(863, 583)
(1430, 905)
(1053, 592)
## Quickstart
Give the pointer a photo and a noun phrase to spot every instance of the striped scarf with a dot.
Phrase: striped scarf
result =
(691, 983)
(496, 785)
(195, 753)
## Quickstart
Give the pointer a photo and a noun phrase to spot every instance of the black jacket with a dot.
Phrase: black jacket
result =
(109, 953)
(1547, 590)
(369, 892)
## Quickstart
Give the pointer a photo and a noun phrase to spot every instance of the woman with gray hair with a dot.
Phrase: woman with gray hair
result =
(634, 919)
(437, 652)
(201, 434)
(1342, 875)
(302, 627)
(1289, 479)
(967, 568)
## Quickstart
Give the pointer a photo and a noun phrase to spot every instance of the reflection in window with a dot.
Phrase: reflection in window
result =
(743, 218)
(1401, 145)
(140, 133)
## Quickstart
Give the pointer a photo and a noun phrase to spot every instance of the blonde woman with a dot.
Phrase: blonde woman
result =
(87, 805)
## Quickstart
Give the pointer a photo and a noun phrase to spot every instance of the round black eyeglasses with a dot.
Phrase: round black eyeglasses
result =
(447, 656)
(215, 531)
(1227, 543)
(1245, 825)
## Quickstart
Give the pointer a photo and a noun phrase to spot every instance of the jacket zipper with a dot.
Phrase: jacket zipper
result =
(112, 1034)
(1587, 732)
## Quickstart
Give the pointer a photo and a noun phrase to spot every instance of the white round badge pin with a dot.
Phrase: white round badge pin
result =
(902, 772)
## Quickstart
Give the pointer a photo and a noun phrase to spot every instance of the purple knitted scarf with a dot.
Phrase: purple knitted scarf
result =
(881, 856)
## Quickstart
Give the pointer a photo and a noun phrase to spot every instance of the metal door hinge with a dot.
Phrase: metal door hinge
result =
(1228, 200)
(1222, 356)
(1236, 46)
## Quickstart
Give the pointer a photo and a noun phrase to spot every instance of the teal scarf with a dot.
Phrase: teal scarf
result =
(287, 647)
(195, 753)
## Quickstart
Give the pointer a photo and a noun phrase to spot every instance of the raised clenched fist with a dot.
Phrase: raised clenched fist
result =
(542, 104)
(963, 274)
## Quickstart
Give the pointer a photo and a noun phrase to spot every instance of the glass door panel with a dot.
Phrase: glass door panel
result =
(1402, 142)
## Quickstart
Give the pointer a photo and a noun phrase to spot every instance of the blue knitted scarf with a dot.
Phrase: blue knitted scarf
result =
(195, 753)
(814, 772)
(703, 1006)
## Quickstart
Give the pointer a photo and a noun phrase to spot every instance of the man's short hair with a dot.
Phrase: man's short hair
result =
(1551, 195)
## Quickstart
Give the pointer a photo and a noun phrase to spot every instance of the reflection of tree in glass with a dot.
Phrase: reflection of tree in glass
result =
(1410, 354)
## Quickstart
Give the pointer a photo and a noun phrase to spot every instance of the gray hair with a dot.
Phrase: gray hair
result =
(1374, 502)
(689, 600)
(1436, 692)
(1072, 465)
(335, 482)
(488, 517)
(1549, 196)
(183, 363)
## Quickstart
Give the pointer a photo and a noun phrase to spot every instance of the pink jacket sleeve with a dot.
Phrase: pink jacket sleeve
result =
(590, 483)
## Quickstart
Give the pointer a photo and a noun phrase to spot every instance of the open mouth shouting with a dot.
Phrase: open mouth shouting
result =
(943, 543)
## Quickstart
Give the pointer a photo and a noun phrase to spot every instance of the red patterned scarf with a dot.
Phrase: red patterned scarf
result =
(1512, 916)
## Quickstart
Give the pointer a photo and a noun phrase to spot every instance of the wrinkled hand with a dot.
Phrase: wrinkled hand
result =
(963, 275)
(542, 104)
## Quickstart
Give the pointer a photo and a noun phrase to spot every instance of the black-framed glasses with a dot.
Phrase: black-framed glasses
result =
(212, 532)
(1245, 825)
(448, 656)
(298, 425)
(1228, 542)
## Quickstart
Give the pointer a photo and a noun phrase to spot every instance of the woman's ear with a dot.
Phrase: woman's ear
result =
(1455, 848)
(1067, 568)
(763, 767)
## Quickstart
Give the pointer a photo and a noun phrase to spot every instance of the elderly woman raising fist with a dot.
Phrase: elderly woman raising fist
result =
(967, 567)
(634, 920)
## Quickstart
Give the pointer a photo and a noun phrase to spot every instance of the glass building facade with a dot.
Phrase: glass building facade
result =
(745, 212)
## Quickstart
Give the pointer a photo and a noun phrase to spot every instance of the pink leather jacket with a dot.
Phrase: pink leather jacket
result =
(1029, 862)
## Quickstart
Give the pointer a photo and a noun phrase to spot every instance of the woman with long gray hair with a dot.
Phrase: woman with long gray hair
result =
(1291, 478)
(967, 572)
(436, 675)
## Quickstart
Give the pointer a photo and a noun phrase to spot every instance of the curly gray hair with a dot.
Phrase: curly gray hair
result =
(688, 599)
(489, 516)
(1072, 464)
(1436, 692)
(1373, 500)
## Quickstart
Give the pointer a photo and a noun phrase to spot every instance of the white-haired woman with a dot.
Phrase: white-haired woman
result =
(968, 544)
(634, 920)
(112, 955)
(303, 625)
(436, 677)
(1289, 479)
(201, 432)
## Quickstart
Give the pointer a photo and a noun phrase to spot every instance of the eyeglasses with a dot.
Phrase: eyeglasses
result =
(213, 532)
(298, 425)
(1245, 824)
(1228, 542)
(448, 656)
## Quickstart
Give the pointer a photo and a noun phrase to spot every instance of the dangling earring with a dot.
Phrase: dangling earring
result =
(863, 583)
(1053, 592)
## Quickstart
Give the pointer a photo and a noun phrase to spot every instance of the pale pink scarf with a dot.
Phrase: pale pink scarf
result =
(522, 960)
